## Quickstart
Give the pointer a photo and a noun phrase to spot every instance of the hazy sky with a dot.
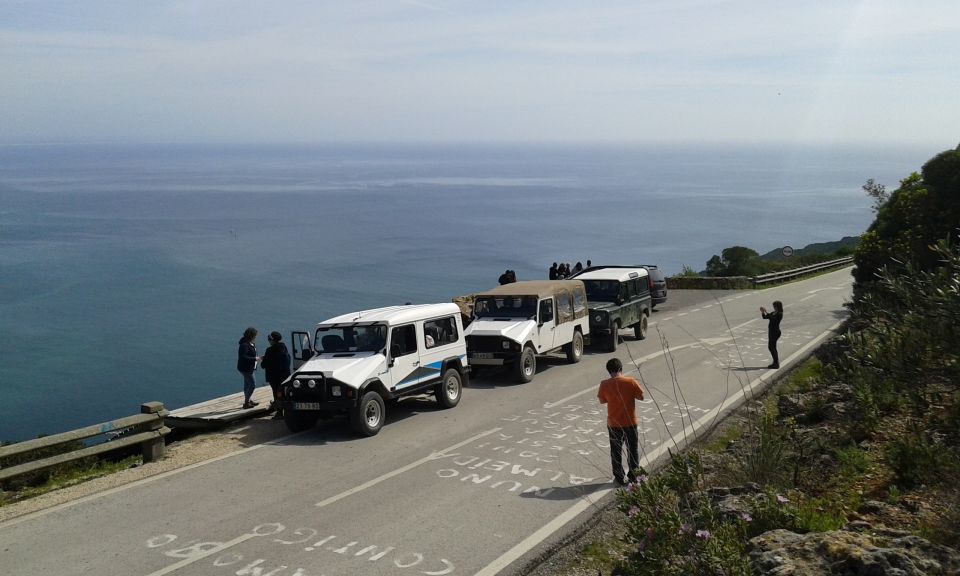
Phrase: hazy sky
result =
(519, 70)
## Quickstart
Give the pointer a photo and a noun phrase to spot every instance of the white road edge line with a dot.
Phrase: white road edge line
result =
(430, 458)
(528, 543)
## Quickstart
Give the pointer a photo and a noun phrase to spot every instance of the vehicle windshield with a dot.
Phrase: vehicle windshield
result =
(362, 338)
(602, 290)
(505, 307)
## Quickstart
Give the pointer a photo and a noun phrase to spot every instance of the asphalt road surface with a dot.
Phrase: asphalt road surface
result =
(479, 489)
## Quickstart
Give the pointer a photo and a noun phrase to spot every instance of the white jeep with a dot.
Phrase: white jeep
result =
(514, 323)
(354, 363)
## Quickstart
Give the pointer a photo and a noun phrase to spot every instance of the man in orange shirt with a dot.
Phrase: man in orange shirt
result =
(619, 393)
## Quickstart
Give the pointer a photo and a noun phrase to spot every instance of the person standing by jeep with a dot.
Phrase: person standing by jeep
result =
(619, 393)
(247, 364)
(276, 365)
(773, 330)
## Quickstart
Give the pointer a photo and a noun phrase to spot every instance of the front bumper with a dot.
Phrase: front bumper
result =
(491, 358)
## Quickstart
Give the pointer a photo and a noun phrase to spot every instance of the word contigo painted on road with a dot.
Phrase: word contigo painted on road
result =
(333, 548)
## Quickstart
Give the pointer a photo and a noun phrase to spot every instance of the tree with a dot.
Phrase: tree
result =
(715, 266)
(740, 261)
(922, 210)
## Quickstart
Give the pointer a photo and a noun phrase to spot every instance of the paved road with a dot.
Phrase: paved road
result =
(474, 490)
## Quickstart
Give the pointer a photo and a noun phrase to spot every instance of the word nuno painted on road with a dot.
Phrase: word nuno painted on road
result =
(326, 548)
(543, 450)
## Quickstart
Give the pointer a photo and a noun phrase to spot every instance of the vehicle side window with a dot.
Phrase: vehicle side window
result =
(643, 286)
(623, 291)
(403, 341)
(546, 310)
(564, 307)
(439, 332)
(632, 286)
(579, 302)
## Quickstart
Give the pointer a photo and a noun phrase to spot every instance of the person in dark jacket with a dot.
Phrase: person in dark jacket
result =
(554, 271)
(773, 330)
(247, 364)
(276, 364)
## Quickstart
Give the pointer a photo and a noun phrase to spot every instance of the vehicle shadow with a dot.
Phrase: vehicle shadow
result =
(489, 377)
(568, 492)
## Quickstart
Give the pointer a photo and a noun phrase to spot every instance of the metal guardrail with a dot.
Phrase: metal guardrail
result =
(795, 272)
(147, 430)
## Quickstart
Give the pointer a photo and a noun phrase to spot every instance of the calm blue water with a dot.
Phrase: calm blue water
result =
(127, 274)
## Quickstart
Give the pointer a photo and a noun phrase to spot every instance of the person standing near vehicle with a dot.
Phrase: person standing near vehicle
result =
(276, 364)
(620, 394)
(773, 330)
(554, 271)
(247, 364)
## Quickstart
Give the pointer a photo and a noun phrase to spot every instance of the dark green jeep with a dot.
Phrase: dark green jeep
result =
(618, 297)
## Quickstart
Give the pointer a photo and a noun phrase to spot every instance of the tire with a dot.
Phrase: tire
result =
(366, 418)
(575, 349)
(526, 365)
(640, 328)
(613, 339)
(299, 421)
(450, 389)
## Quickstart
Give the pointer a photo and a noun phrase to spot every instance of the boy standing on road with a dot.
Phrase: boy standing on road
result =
(619, 393)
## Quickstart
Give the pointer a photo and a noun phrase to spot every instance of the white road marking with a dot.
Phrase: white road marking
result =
(430, 458)
(584, 503)
(207, 554)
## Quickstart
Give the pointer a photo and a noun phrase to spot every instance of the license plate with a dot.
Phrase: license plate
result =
(482, 355)
(306, 405)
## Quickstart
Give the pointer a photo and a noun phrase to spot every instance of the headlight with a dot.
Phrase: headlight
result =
(505, 344)
(311, 383)
(296, 384)
(335, 391)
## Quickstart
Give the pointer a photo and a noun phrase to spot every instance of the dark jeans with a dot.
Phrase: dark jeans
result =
(617, 436)
(249, 385)
(772, 346)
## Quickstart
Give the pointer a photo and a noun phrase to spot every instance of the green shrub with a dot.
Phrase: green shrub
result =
(916, 459)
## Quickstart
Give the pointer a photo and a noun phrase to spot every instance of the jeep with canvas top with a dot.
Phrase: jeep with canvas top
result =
(514, 323)
(618, 297)
(356, 362)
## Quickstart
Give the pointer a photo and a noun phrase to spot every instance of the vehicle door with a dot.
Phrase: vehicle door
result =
(563, 334)
(404, 363)
(302, 349)
(546, 325)
(438, 337)
(631, 307)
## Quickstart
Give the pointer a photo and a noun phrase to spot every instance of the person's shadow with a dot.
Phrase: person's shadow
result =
(568, 492)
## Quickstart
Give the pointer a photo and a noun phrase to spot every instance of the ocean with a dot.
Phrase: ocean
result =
(128, 273)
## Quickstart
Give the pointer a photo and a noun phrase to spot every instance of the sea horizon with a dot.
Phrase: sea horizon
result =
(129, 271)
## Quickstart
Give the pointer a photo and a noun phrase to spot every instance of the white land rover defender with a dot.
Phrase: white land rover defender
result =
(357, 361)
(514, 323)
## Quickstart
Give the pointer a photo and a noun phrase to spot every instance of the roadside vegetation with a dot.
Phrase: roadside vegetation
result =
(68, 474)
(848, 465)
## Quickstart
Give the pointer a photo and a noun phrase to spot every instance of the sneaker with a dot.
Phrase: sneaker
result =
(252, 403)
(773, 366)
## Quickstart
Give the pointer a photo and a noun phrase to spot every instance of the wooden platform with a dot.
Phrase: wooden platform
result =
(220, 412)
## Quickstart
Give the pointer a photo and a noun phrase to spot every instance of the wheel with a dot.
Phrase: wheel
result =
(299, 421)
(640, 328)
(367, 417)
(613, 339)
(449, 390)
(526, 365)
(575, 349)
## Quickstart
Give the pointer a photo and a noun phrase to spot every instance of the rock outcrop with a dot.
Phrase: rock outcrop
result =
(850, 553)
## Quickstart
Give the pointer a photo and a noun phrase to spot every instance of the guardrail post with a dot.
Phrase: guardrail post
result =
(154, 448)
